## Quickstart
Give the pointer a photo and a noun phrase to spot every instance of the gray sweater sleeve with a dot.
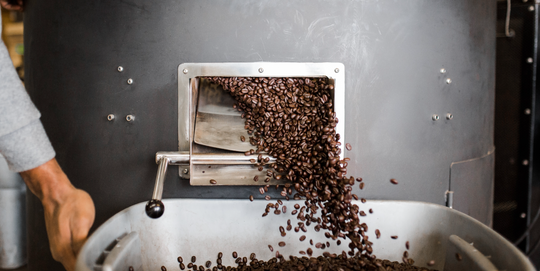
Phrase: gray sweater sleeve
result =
(23, 141)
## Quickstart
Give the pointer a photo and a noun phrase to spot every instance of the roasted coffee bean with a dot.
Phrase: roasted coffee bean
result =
(377, 233)
(297, 206)
(370, 211)
(289, 227)
(302, 238)
(407, 245)
(281, 244)
(208, 264)
(394, 236)
(190, 265)
(251, 197)
(234, 254)
(212, 181)
(261, 190)
(284, 209)
(267, 179)
(348, 146)
(242, 138)
(131, 268)
(309, 251)
(182, 266)
(283, 234)
(267, 197)
(431, 263)
(163, 268)
(406, 254)
(458, 257)
(180, 259)
(311, 241)
(294, 212)
(253, 161)
(256, 178)
(271, 248)
(252, 256)
(361, 185)
(393, 181)
(260, 168)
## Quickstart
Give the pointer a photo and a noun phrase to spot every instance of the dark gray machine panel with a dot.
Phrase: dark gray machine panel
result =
(405, 60)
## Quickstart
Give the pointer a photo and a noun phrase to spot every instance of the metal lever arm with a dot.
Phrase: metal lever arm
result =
(155, 208)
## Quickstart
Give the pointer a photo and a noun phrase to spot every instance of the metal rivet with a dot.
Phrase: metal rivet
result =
(110, 117)
(185, 171)
(525, 162)
(531, 8)
(529, 60)
(130, 118)
(527, 111)
(130, 81)
(336, 70)
(449, 116)
(185, 71)
(448, 81)
(120, 69)
(443, 70)
(435, 117)
(261, 70)
(523, 215)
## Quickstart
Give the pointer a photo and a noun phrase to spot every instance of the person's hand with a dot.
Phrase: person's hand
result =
(69, 212)
(16, 5)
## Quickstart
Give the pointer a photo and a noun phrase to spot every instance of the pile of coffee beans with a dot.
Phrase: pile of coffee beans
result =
(293, 120)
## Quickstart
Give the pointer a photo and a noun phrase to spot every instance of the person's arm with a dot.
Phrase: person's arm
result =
(69, 212)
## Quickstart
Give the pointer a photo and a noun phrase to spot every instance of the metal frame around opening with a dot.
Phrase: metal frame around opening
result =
(187, 90)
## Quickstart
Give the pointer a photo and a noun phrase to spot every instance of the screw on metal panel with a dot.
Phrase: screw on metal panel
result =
(185, 71)
(525, 162)
(443, 70)
(185, 171)
(531, 8)
(449, 116)
(120, 69)
(261, 70)
(527, 111)
(110, 117)
(448, 81)
(336, 70)
(523, 215)
(130, 81)
(435, 117)
(130, 118)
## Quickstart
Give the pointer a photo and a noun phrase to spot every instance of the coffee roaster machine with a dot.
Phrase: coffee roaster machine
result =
(119, 82)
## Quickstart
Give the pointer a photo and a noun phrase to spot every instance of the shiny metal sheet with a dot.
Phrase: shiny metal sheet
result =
(203, 228)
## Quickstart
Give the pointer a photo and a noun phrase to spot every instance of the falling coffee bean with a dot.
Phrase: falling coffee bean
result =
(163, 268)
(393, 236)
(242, 138)
(393, 181)
(377, 233)
(348, 146)
(193, 259)
(180, 259)
(251, 197)
(234, 254)
(208, 264)
(271, 248)
(407, 245)
(281, 244)
(131, 268)
(302, 238)
(212, 181)
(182, 266)
(431, 263)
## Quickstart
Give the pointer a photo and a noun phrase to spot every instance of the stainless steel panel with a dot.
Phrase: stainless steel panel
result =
(471, 182)
(206, 227)
(12, 227)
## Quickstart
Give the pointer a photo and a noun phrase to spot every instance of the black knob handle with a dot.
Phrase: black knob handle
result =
(155, 208)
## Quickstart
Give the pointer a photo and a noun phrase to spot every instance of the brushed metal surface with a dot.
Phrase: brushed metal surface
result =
(203, 228)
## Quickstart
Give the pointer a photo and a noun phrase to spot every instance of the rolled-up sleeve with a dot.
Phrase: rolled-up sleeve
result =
(23, 141)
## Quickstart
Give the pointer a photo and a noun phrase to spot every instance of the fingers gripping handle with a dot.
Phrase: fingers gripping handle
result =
(155, 208)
